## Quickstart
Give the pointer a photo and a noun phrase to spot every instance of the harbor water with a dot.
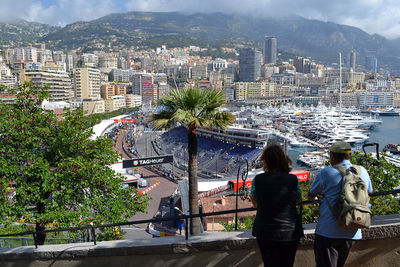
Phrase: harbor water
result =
(386, 133)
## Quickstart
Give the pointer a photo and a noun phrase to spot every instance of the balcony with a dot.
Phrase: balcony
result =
(380, 247)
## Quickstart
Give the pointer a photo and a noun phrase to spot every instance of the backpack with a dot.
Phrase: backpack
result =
(351, 209)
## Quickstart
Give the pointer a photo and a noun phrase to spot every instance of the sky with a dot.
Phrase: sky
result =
(373, 16)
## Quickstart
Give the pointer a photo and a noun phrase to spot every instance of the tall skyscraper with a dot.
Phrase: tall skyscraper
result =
(270, 50)
(371, 63)
(352, 62)
(249, 65)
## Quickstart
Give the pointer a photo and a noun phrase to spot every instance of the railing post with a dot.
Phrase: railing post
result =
(186, 228)
(244, 177)
(94, 235)
(237, 196)
(35, 240)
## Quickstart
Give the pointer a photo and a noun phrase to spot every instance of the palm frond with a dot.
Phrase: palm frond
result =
(194, 108)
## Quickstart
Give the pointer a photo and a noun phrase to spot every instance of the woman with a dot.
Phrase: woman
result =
(274, 194)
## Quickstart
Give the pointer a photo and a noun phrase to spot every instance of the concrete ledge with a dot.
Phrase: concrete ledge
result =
(381, 246)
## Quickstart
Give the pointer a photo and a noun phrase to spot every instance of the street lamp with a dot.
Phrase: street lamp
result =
(214, 204)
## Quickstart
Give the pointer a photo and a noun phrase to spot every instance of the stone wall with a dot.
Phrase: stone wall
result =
(380, 247)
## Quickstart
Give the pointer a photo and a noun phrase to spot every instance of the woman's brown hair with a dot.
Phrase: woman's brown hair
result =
(275, 159)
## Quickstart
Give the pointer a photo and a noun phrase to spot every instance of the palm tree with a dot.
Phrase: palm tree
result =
(194, 108)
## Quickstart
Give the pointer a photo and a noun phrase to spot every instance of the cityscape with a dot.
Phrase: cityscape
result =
(97, 147)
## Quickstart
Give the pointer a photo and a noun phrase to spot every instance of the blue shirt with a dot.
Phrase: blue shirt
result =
(329, 183)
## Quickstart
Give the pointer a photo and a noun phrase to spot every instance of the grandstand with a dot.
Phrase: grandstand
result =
(219, 154)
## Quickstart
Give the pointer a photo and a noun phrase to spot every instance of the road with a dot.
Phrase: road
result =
(161, 193)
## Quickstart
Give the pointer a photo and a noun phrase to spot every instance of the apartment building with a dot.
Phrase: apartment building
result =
(254, 90)
(133, 100)
(60, 86)
(93, 106)
(86, 83)
(114, 103)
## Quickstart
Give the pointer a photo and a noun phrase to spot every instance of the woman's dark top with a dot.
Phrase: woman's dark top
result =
(277, 217)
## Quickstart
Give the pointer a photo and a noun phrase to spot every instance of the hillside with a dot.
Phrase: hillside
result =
(320, 40)
(21, 32)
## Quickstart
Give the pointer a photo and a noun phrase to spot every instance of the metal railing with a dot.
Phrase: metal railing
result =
(91, 228)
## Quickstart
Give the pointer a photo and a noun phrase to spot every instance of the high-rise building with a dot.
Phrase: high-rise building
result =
(302, 65)
(249, 65)
(160, 80)
(352, 60)
(69, 63)
(199, 71)
(142, 85)
(270, 50)
(86, 83)
(124, 76)
(59, 84)
(371, 63)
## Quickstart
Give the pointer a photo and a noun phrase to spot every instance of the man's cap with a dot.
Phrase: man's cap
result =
(340, 147)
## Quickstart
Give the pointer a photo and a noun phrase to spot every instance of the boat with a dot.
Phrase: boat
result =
(393, 149)
(386, 112)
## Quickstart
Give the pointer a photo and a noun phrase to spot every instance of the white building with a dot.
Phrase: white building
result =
(375, 99)
(114, 103)
(133, 100)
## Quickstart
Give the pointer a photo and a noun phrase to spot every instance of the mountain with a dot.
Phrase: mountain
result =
(312, 38)
(21, 32)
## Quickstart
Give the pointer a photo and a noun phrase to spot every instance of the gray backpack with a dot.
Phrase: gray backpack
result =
(351, 209)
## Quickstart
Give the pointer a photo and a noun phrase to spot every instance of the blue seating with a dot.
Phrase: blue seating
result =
(208, 148)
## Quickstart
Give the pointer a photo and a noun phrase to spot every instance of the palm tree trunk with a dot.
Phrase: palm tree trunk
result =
(193, 185)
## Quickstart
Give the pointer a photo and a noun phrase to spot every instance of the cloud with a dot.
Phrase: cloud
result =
(373, 16)
(58, 12)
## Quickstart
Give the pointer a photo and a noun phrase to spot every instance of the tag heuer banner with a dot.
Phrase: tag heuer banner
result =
(130, 163)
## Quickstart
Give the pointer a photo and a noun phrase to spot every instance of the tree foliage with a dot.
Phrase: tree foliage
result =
(51, 171)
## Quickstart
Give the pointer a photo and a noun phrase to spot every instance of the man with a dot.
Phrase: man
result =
(333, 243)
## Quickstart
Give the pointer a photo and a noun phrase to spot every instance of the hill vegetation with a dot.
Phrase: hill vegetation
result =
(312, 38)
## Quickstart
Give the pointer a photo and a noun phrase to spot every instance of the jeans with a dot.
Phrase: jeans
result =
(331, 252)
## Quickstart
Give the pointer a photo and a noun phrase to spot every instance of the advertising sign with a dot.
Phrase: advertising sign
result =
(131, 163)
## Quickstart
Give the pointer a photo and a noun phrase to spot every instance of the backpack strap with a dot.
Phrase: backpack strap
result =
(357, 169)
(342, 170)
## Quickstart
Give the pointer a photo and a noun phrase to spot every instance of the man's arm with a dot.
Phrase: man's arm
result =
(316, 187)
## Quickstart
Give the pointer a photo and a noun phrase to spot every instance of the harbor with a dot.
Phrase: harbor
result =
(308, 131)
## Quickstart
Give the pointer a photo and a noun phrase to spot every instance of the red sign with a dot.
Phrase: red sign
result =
(302, 176)
(125, 121)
